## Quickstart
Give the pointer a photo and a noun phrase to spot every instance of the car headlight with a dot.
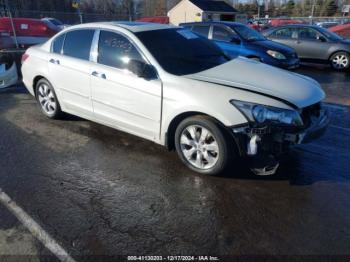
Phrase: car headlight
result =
(276, 55)
(261, 114)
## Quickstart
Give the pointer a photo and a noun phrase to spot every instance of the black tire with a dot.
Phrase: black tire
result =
(50, 95)
(344, 61)
(226, 152)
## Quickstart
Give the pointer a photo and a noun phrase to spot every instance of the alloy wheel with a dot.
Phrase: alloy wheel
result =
(340, 61)
(199, 147)
(47, 99)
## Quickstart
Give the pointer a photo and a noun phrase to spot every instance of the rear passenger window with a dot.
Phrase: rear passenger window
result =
(116, 50)
(78, 44)
(201, 30)
(58, 44)
(221, 34)
(286, 33)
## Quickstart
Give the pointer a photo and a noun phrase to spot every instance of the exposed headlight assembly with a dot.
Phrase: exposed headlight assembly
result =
(261, 114)
(276, 54)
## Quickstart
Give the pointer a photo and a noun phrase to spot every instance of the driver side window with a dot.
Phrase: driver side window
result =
(308, 34)
(115, 50)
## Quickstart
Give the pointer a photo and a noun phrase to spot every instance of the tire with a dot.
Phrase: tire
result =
(340, 61)
(209, 156)
(47, 100)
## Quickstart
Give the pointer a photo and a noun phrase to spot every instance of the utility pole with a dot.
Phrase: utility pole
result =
(7, 7)
(313, 11)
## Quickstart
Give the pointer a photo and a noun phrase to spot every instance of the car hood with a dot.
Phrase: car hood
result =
(270, 45)
(257, 77)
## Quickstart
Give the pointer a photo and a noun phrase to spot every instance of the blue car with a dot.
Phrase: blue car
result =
(237, 39)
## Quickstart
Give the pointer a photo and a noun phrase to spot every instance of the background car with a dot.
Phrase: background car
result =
(313, 44)
(342, 30)
(327, 24)
(238, 39)
(284, 21)
(28, 31)
(154, 19)
(54, 23)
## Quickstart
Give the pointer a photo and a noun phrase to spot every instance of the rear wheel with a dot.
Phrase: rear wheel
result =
(340, 61)
(47, 99)
(202, 146)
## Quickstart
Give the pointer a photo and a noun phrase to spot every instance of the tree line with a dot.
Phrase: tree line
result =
(138, 8)
(304, 8)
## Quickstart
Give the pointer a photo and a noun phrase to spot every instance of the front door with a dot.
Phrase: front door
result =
(312, 44)
(120, 98)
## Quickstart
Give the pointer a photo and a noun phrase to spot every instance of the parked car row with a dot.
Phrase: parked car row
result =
(171, 86)
(237, 39)
(313, 44)
(280, 46)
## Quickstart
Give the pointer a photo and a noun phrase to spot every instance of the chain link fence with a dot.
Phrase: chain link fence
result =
(73, 17)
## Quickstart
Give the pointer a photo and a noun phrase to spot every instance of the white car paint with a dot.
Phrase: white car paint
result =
(147, 107)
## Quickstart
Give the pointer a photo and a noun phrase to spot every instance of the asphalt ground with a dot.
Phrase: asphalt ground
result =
(101, 192)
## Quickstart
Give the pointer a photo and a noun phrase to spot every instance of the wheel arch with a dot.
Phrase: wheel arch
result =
(35, 82)
(174, 123)
(338, 51)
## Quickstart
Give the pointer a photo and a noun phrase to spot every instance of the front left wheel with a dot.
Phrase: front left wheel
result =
(47, 99)
(203, 146)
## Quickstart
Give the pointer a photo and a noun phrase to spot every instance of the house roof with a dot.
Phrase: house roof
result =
(213, 6)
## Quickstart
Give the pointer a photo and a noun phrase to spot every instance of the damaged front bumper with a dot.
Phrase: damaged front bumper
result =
(260, 143)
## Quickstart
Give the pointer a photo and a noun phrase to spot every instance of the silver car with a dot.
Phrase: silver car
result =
(175, 88)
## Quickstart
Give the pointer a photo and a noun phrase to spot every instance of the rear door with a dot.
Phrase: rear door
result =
(69, 68)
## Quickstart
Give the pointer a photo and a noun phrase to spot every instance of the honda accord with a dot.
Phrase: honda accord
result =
(168, 85)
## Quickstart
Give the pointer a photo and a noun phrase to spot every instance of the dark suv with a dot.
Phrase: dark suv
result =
(237, 39)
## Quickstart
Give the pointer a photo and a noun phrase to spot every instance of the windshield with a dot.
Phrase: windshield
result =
(247, 33)
(181, 52)
(330, 35)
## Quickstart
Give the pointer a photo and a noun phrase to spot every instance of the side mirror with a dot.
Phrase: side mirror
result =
(322, 38)
(235, 40)
(141, 69)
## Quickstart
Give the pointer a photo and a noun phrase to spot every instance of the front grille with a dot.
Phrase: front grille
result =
(309, 112)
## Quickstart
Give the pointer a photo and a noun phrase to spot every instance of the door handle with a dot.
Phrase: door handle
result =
(56, 62)
(100, 75)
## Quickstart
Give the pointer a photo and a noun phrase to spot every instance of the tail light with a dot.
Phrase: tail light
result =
(25, 56)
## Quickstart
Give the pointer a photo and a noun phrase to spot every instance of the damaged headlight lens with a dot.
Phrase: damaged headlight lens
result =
(276, 54)
(263, 114)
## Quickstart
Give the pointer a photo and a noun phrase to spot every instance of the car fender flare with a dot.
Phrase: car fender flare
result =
(171, 121)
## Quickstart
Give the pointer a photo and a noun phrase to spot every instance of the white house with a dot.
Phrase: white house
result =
(201, 11)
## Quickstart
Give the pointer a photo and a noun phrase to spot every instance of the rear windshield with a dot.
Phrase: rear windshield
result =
(180, 51)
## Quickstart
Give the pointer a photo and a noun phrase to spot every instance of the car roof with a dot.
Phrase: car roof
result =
(130, 26)
(296, 25)
(212, 23)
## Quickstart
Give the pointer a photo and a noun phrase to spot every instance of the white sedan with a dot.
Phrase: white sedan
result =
(171, 86)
